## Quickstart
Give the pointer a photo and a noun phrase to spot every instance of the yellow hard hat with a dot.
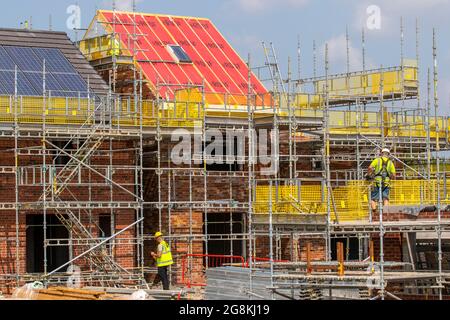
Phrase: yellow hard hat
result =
(158, 234)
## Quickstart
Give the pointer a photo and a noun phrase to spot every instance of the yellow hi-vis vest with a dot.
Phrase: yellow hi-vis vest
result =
(384, 167)
(166, 256)
(114, 47)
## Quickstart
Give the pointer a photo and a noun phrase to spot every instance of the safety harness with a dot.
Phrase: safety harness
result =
(382, 171)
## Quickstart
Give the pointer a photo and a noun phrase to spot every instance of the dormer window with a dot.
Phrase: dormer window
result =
(179, 54)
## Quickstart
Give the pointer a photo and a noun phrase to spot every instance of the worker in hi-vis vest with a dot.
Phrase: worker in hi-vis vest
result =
(163, 259)
(381, 171)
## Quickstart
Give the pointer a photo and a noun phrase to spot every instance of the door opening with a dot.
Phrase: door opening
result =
(56, 255)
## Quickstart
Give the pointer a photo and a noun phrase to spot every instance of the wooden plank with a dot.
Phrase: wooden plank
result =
(63, 293)
(340, 257)
(308, 258)
(74, 290)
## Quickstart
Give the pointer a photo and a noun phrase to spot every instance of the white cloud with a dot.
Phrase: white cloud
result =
(246, 40)
(264, 5)
(413, 5)
(121, 5)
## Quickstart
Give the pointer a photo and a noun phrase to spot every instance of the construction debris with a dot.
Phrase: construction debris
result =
(27, 292)
(59, 293)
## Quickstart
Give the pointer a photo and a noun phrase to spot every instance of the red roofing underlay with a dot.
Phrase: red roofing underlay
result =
(213, 58)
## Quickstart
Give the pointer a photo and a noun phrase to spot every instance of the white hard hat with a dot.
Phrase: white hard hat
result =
(386, 150)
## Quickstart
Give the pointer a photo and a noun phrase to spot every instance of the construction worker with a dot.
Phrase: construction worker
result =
(163, 259)
(114, 46)
(381, 171)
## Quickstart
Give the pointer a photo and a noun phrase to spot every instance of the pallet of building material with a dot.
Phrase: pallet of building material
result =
(63, 293)
(149, 294)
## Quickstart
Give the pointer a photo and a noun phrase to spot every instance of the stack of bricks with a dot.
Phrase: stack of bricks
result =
(288, 245)
(318, 251)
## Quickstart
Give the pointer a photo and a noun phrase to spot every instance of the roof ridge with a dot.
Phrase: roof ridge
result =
(33, 31)
(153, 14)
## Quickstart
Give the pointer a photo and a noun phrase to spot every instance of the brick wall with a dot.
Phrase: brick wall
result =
(124, 254)
(392, 247)
(183, 189)
(8, 250)
(182, 222)
(425, 215)
(393, 242)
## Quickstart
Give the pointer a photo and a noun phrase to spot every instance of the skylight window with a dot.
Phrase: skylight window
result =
(180, 54)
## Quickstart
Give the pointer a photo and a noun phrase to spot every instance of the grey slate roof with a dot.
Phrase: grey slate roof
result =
(55, 39)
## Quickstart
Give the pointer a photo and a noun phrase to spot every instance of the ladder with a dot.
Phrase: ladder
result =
(60, 182)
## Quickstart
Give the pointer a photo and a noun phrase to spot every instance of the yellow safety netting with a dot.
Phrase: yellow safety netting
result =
(311, 199)
(350, 202)
(187, 110)
(76, 111)
(369, 84)
(103, 47)
(53, 110)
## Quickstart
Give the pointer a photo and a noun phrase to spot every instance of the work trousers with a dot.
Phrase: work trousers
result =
(163, 277)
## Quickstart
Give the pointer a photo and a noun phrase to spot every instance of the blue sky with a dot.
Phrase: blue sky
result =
(246, 23)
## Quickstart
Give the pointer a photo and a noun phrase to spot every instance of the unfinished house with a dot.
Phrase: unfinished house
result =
(192, 79)
(306, 212)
